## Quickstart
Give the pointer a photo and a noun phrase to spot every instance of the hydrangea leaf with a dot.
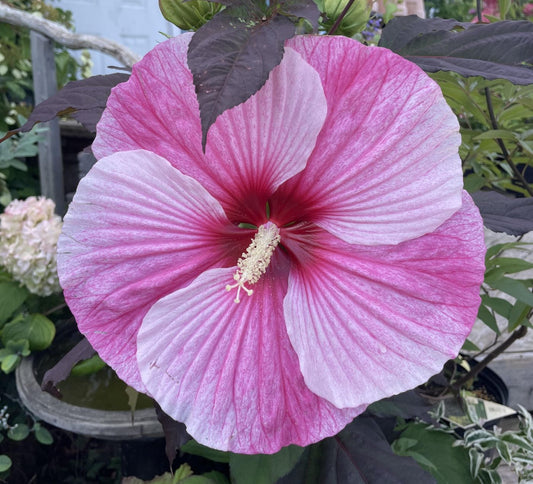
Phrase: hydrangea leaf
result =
(85, 100)
(12, 296)
(5, 463)
(502, 50)
(502, 213)
(42, 434)
(231, 58)
(18, 432)
(359, 454)
(35, 328)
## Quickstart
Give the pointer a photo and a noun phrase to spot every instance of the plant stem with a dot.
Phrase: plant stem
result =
(340, 17)
(517, 334)
(501, 144)
(478, 10)
(54, 309)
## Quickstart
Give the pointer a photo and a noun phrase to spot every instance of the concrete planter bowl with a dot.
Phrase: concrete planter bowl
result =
(101, 424)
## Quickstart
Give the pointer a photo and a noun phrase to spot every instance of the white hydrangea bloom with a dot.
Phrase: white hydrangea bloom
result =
(29, 230)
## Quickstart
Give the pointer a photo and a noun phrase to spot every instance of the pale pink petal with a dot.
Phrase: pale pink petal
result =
(385, 167)
(369, 322)
(136, 230)
(228, 370)
(251, 149)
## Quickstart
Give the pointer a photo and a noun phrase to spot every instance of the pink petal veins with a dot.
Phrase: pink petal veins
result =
(251, 149)
(263, 142)
(385, 167)
(136, 230)
(370, 322)
(228, 370)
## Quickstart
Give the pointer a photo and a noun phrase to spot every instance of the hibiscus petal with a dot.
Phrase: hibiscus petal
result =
(228, 370)
(251, 149)
(370, 322)
(136, 230)
(261, 143)
(385, 167)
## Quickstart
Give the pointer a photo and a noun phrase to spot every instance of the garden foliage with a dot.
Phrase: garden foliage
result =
(486, 74)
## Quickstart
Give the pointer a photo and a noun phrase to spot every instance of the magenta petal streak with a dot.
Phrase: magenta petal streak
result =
(367, 322)
(228, 370)
(372, 285)
(136, 230)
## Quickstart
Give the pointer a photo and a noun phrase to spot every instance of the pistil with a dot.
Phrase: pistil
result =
(254, 262)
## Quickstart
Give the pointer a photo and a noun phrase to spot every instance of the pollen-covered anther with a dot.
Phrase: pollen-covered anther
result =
(254, 262)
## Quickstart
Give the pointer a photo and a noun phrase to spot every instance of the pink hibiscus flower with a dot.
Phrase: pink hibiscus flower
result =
(329, 204)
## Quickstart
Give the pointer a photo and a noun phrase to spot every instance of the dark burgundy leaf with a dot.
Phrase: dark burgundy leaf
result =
(360, 454)
(84, 100)
(502, 213)
(175, 433)
(502, 50)
(61, 370)
(307, 9)
(231, 57)
(410, 404)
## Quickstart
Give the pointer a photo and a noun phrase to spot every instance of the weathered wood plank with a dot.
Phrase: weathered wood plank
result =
(44, 85)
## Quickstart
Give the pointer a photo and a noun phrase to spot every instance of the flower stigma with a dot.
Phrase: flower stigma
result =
(254, 262)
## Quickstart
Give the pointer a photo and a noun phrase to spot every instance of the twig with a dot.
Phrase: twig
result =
(341, 17)
(54, 309)
(61, 35)
(519, 333)
(479, 11)
(502, 146)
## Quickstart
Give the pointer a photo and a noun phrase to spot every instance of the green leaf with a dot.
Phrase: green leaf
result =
(469, 346)
(503, 7)
(89, 366)
(518, 440)
(518, 315)
(497, 133)
(403, 444)
(262, 468)
(188, 15)
(501, 306)
(488, 318)
(194, 448)
(5, 463)
(448, 464)
(42, 435)
(516, 288)
(133, 396)
(12, 296)
(216, 477)
(496, 249)
(510, 265)
(9, 363)
(18, 432)
(480, 437)
(503, 450)
(182, 472)
(36, 328)
(195, 480)
(20, 347)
